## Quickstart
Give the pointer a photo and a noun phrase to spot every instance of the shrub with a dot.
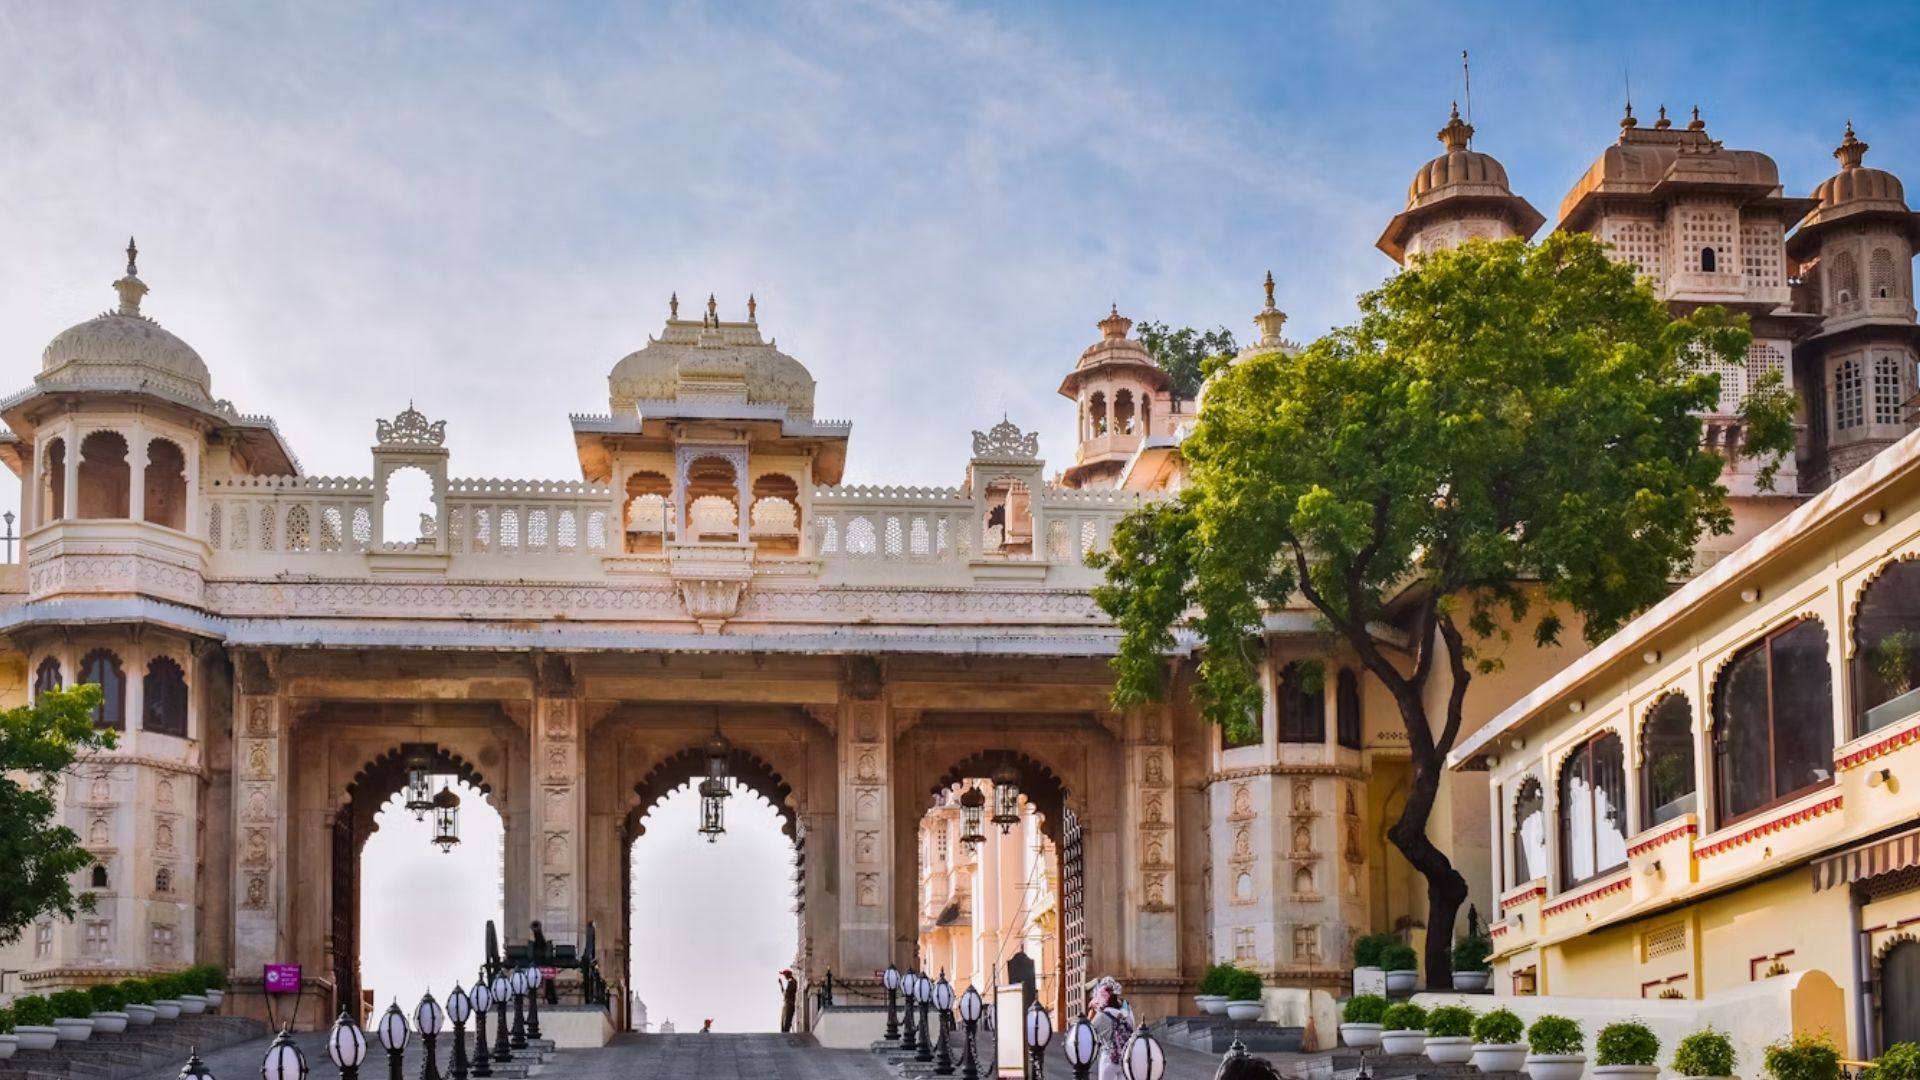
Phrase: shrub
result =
(137, 991)
(1405, 1016)
(1500, 1027)
(107, 997)
(1803, 1057)
(71, 1004)
(32, 1011)
(1399, 956)
(1626, 1043)
(1366, 951)
(1244, 985)
(193, 980)
(1900, 1062)
(211, 976)
(167, 987)
(1364, 1009)
(1470, 953)
(1555, 1035)
(1704, 1053)
(1215, 980)
(1450, 1022)
(6, 1021)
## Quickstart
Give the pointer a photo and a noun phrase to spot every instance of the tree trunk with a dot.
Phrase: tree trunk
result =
(1446, 889)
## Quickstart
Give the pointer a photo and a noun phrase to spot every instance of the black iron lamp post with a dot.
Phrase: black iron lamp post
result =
(1081, 1049)
(482, 1001)
(1145, 1058)
(970, 1008)
(923, 993)
(908, 1040)
(1006, 796)
(393, 1037)
(943, 1004)
(347, 1046)
(534, 979)
(518, 981)
(891, 980)
(1039, 1033)
(195, 1069)
(284, 1060)
(428, 1016)
(502, 990)
(459, 1009)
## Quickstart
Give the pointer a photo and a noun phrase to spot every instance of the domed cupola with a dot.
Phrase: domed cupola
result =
(713, 362)
(1460, 195)
(1855, 189)
(125, 350)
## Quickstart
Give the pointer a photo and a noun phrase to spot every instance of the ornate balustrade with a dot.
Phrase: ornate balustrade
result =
(530, 518)
(289, 514)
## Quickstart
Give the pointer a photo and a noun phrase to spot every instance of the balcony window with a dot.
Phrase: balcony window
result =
(1593, 810)
(1346, 708)
(1303, 707)
(1886, 658)
(1773, 721)
(1666, 777)
(1529, 832)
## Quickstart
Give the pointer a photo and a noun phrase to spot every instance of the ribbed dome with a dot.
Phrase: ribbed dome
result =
(1458, 167)
(125, 346)
(709, 359)
(1855, 182)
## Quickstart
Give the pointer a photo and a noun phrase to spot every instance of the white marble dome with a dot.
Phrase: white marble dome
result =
(124, 347)
(711, 359)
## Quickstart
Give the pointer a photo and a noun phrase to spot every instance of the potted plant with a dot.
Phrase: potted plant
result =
(9, 1042)
(1404, 1029)
(1366, 956)
(1498, 1041)
(192, 983)
(33, 1023)
(1705, 1054)
(139, 997)
(1402, 965)
(213, 984)
(1471, 969)
(1244, 992)
(1212, 998)
(166, 996)
(1803, 1057)
(1450, 1035)
(1900, 1062)
(1360, 1020)
(1556, 1049)
(72, 1015)
(1626, 1050)
(109, 1008)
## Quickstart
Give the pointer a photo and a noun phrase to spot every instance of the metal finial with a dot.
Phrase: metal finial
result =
(753, 309)
(133, 258)
(713, 309)
(673, 306)
(1269, 288)
(1663, 123)
(1697, 124)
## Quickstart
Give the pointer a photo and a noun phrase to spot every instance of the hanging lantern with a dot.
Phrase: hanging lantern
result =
(713, 798)
(719, 750)
(1006, 796)
(446, 819)
(971, 805)
(419, 787)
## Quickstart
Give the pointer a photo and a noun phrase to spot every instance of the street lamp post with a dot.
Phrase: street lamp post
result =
(482, 1001)
(459, 1008)
(943, 1003)
(534, 978)
(923, 992)
(518, 980)
(393, 1037)
(1080, 1048)
(891, 980)
(1145, 1058)
(284, 1060)
(908, 1040)
(1039, 1033)
(502, 990)
(428, 1016)
(347, 1046)
(195, 1069)
(970, 1007)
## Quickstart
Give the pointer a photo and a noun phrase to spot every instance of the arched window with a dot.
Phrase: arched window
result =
(55, 472)
(105, 477)
(1096, 415)
(1666, 754)
(1346, 711)
(1252, 733)
(166, 483)
(1886, 390)
(1593, 810)
(1849, 395)
(166, 698)
(1709, 262)
(1886, 658)
(1123, 411)
(1773, 721)
(1303, 707)
(1529, 832)
(1846, 279)
(102, 668)
(47, 676)
(99, 877)
(1880, 276)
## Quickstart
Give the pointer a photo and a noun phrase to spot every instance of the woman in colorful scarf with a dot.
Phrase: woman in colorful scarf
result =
(1112, 1020)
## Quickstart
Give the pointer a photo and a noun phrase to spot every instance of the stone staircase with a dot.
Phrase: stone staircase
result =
(1214, 1034)
(1346, 1063)
(137, 1051)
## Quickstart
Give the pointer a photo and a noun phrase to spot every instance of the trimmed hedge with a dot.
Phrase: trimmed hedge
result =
(1399, 956)
(1704, 1053)
(1366, 951)
(137, 991)
(1405, 1016)
(1626, 1043)
(1244, 985)
(1450, 1022)
(1214, 982)
(72, 1004)
(1804, 1057)
(1556, 1035)
(1499, 1027)
(1364, 1009)
(32, 1010)
(107, 997)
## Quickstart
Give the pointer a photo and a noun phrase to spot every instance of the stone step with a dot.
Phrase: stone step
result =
(132, 1053)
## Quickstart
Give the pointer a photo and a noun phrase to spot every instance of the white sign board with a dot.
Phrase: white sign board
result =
(1370, 980)
(1009, 1036)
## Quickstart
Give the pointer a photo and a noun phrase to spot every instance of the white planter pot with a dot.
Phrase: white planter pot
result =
(192, 1004)
(1360, 1036)
(1449, 1049)
(8, 1044)
(140, 1015)
(36, 1037)
(1556, 1066)
(1627, 1072)
(1471, 980)
(1211, 1004)
(1403, 1042)
(1244, 1011)
(215, 997)
(167, 1009)
(1500, 1057)
(110, 1023)
(73, 1029)
(1402, 982)
(1709, 1078)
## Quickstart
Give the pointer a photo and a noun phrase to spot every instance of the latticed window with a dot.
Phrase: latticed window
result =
(1057, 541)
(240, 541)
(1849, 396)
(330, 529)
(1639, 243)
(482, 530)
(941, 542)
(536, 529)
(1880, 274)
(1732, 375)
(1089, 536)
(509, 530)
(569, 531)
(1760, 252)
(896, 538)
(1763, 359)
(213, 527)
(299, 529)
(1846, 279)
(860, 537)
(266, 527)
(829, 536)
(1886, 390)
(597, 531)
(919, 544)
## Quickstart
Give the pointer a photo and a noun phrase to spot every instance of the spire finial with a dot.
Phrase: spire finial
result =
(1628, 121)
(1696, 124)
(1115, 325)
(1663, 123)
(673, 305)
(1270, 319)
(1269, 286)
(130, 287)
(1458, 134)
(133, 258)
(713, 311)
(753, 309)
(1850, 150)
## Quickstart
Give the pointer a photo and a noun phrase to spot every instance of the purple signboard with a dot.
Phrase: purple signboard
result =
(282, 978)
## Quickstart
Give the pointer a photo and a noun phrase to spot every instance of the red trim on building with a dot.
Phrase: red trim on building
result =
(1765, 828)
(1620, 884)
(1880, 749)
(1686, 828)
(1522, 896)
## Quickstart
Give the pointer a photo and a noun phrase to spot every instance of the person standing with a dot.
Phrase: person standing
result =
(789, 992)
(1113, 1023)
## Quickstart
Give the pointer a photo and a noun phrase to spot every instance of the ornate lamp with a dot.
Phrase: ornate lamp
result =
(393, 1037)
(943, 1004)
(428, 1017)
(347, 1046)
(518, 982)
(446, 820)
(459, 1011)
(284, 1060)
(971, 805)
(195, 1069)
(713, 790)
(1145, 1058)
(1039, 1033)
(534, 978)
(419, 785)
(482, 996)
(891, 980)
(1006, 796)
(909, 1038)
(1081, 1048)
(923, 994)
(502, 990)
(971, 1007)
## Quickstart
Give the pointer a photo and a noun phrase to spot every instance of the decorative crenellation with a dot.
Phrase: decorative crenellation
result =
(410, 430)
(1005, 441)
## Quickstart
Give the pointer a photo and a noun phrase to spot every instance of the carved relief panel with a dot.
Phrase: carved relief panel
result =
(1155, 826)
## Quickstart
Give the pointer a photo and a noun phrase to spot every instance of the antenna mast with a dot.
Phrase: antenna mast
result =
(1466, 74)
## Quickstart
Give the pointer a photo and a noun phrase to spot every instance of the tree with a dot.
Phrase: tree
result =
(1507, 434)
(39, 857)
(1184, 353)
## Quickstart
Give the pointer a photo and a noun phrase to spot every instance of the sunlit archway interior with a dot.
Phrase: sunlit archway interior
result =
(711, 924)
(423, 912)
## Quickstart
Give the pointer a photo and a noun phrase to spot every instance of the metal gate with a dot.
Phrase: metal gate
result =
(1900, 994)
(1074, 950)
(346, 914)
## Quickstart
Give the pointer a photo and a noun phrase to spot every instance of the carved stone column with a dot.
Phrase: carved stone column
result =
(867, 856)
(558, 808)
(262, 787)
(1148, 809)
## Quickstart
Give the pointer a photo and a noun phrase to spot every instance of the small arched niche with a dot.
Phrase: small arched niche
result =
(166, 484)
(105, 476)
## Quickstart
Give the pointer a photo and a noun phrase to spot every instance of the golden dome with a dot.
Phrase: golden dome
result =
(1459, 168)
(1855, 182)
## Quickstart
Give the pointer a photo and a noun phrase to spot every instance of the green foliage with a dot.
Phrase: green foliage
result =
(1244, 985)
(107, 997)
(1556, 1035)
(39, 856)
(1405, 1016)
(1901, 1061)
(205, 977)
(72, 1004)
(1470, 953)
(1186, 354)
(1369, 948)
(1215, 980)
(1450, 1022)
(1803, 1057)
(1890, 660)
(1500, 1027)
(32, 1010)
(1626, 1043)
(1705, 1053)
(137, 991)
(1364, 1009)
(6, 1021)
(168, 987)
(1399, 956)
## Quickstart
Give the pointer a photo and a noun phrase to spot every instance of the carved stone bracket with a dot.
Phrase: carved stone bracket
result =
(710, 579)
